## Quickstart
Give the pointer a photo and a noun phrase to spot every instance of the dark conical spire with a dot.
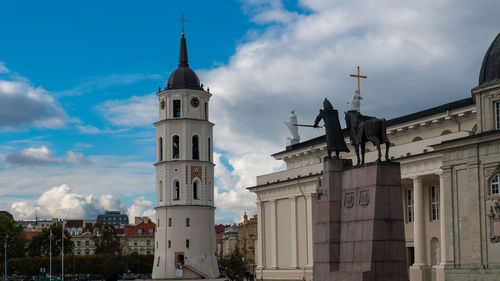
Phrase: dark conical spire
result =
(183, 54)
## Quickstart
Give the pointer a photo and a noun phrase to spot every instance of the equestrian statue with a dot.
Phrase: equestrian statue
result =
(366, 128)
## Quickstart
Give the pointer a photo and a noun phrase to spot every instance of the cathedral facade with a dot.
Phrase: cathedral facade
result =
(450, 171)
(185, 236)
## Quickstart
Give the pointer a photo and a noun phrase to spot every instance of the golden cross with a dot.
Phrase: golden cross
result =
(358, 76)
(183, 20)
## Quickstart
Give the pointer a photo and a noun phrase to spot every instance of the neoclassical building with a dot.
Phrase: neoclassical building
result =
(449, 156)
(185, 235)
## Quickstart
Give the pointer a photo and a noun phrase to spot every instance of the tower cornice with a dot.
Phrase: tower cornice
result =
(183, 119)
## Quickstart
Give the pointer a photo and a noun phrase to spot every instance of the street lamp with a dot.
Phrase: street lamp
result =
(5, 247)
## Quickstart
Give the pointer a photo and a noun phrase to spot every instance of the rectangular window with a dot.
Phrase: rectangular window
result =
(148, 242)
(87, 243)
(410, 215)
(78, 243)
(497, 115)
(135, 242)
(177, 108)
(434, 203)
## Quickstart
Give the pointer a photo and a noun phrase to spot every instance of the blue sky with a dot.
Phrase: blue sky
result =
(77, 84)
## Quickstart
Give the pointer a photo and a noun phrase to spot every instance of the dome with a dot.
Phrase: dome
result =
(183, 77)
(490, 70)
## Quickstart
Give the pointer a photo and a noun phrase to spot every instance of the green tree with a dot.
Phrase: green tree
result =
(40, 245)
(107, 241)
(13, 234)
(234, 266)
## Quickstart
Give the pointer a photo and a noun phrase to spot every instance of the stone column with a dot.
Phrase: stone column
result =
(274, 244)
(260, 235)
(309, 219)
(293, 231)
(442, 220)
(417, 270)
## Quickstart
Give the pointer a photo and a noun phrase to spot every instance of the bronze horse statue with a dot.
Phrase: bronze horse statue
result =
(366, 128)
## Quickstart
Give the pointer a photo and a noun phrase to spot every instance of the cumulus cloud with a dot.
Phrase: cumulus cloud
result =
(141, 207)
(135, 111)
(42, 155)
(62, 202)
(22, 104)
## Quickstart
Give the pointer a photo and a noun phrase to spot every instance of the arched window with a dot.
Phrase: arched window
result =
(177, 190)
(187, 243)
(195, 190)
(169, 243)
(417, 139)
(160, 148)
(177, 108)
(188, 224)
(195, 148)
(169, 221)
(494, 185)
(175, 147)
(209, 150)
(160, 191)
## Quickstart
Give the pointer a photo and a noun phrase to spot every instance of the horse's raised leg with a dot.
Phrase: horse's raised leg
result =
(356, 149)
(387, 145)
(362, 153)
(379, 158)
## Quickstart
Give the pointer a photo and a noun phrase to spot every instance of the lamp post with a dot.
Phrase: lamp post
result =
(5, 247)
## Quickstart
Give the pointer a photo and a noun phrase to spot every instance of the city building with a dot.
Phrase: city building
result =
(140, 238)
(184, 165)
(114, 218)
(247, 236)
(219, 233)
(450, 169)
(230, 240)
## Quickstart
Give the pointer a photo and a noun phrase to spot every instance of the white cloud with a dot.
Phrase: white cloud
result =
(62, 202)
(3, 68)
(141, 207)
(58, 202)
(42, 155)
(23, 104)
(135, 111)
(92, 130)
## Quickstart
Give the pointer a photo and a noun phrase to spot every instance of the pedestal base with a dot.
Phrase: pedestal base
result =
(359, 233)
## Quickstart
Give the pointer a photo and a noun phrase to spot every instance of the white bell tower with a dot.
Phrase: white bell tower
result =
(185, 236)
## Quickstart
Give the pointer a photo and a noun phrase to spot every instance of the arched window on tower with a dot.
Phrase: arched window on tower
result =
(195, 190)
(177, 190)
(195, 147)
(175, 147)
(177, 108)
(160, 191)
(209, 150)
(160, 148)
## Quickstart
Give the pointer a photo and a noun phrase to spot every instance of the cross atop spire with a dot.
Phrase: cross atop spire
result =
(358, 76)
(183, 20)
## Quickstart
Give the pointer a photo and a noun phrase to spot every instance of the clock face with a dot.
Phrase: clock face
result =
(162, 104)
(195, 102)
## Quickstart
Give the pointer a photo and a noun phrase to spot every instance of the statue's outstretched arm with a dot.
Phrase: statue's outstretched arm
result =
(318, 118)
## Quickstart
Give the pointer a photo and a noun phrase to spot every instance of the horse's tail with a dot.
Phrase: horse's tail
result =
(385, 139)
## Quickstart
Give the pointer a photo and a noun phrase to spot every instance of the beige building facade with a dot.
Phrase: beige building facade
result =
(449, 156)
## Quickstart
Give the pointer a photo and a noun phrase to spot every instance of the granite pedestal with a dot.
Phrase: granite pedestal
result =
(359, 229)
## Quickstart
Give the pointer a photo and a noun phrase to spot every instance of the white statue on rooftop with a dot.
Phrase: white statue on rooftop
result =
(294, 130)
(355, 101)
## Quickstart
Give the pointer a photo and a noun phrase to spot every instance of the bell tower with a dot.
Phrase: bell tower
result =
(185, 236)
